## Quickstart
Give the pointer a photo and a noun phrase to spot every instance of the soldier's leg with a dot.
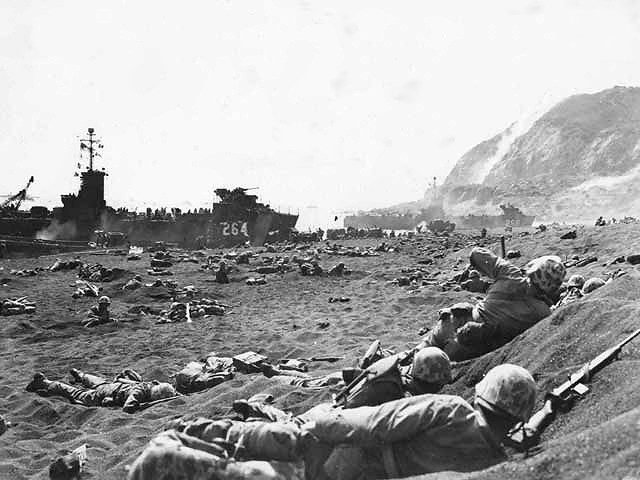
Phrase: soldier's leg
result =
(87, 379)
(260, 410)
(208, 380)
(75, 394)
(168, 457)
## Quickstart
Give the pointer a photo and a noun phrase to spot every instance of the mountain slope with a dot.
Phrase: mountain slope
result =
(581, 158)
(581, 137)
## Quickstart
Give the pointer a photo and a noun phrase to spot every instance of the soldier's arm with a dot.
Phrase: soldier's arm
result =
(489, 264)
(386, 423)
(137, 395)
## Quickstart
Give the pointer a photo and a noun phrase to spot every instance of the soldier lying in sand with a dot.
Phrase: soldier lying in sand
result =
(406, 437)
(384, 380)
(127, 390)
(516, 301)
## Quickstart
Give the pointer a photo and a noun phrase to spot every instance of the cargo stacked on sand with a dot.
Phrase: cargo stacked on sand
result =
(236, 219)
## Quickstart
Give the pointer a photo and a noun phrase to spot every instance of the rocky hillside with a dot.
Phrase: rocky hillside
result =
(581, 158)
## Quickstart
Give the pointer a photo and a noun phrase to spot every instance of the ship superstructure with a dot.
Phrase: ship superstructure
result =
(236, 218)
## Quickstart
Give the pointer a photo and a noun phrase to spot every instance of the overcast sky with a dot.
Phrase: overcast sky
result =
(335, 104)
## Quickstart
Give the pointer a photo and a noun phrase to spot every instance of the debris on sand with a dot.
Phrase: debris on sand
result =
(18, 306)
(26, 272)
(633, 259)
(69, 467)
(94, 272)
(571, 235)
(159, 272)
(185, 312)
(62, 265)
(85, 289)
(339, 299)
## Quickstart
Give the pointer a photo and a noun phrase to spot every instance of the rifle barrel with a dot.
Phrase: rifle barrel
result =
(629, 338)
(541, 419)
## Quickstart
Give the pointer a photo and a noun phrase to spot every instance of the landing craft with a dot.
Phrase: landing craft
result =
(235, 219)
(511, 217)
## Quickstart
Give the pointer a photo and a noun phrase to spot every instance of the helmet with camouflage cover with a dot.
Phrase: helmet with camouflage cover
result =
(104, 300)
(507, 390)
(576, 281)
(431, 365)
(592, 284)
(546, 273)
(160, 390)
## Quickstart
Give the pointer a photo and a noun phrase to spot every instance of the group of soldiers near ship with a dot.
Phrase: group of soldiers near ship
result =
(390, 421)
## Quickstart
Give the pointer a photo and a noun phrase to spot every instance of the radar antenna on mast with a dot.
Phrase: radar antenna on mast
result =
(91, 144)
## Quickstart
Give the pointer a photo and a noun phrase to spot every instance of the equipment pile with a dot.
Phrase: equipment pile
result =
(17, 306)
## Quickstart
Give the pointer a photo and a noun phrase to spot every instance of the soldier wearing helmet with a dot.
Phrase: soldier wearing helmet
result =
(430, 370)
(516, 301)
(474, 283)
(311, 268)
(221, 273)
(127, 390)
(133, 284)
(426, 370)
(592, 284)
(402, 438)
(98, 314)
(507, 393)
(572, 291)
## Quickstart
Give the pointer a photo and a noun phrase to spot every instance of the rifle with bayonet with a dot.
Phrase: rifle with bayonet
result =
(561, 398)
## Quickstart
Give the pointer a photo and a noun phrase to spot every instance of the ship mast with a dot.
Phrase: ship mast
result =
(90, 144)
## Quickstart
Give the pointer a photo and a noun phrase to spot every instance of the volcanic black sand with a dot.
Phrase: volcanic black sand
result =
(598, 438)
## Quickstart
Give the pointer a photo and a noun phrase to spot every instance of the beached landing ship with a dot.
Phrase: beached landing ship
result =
(235, 219)
(511, 217)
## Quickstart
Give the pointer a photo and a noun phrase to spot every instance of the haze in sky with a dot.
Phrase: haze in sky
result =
(331, 105)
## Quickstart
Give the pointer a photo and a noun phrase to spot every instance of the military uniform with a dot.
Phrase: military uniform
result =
(512, 305)
(97, 316)
(411, 436)
(96, 391)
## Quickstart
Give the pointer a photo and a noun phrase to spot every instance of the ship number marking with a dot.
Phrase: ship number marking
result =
(234, 228)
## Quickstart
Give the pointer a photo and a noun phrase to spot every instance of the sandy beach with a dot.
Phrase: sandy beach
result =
(598, 438)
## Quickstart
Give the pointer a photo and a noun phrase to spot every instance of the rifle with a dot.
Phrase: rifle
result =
(144, 406)
(345, 391)
(562, 397)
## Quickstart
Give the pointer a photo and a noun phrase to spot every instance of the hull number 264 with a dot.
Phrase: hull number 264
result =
(234, 228)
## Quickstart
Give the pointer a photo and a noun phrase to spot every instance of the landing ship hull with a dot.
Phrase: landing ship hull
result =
(23, 227)
(219, 228)
(394, 221)
(493, 221)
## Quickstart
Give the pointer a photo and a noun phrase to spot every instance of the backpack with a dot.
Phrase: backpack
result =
(382, 384)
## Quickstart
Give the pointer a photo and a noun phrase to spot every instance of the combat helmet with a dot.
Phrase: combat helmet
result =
(431, 365)
(592, 284)
(474, 274)
(546, 273)
(160, 390)
(576, 280)
(104, 300)
(508, 391)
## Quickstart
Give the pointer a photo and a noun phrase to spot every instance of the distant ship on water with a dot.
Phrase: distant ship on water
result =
(236, 218)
